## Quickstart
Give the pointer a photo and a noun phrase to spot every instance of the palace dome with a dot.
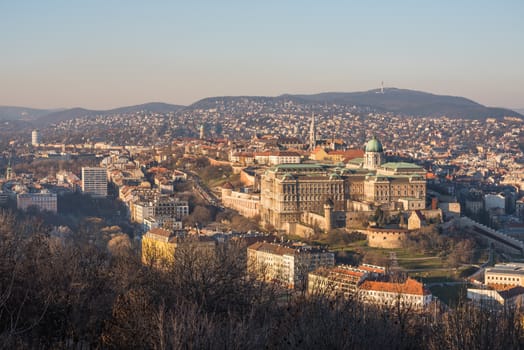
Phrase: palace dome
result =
(374, 145)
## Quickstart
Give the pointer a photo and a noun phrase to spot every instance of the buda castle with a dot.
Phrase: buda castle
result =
(296, 195)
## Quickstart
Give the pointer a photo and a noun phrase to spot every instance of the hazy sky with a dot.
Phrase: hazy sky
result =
(101, 54)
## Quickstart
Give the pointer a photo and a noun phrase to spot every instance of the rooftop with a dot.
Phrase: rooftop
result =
(356, 160)
(282, 249)
(374, 145)
(308, 168)
(400, 165)
(510, 268)
(410, 286)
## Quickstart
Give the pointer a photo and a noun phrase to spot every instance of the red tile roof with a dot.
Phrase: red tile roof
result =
(348, 272)
(369, 268)
(160, 231)
(410, 286)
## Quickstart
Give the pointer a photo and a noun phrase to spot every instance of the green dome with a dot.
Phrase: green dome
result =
(374, 145)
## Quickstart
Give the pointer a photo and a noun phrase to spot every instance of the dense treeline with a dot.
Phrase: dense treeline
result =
(41, 168)
(69, 293)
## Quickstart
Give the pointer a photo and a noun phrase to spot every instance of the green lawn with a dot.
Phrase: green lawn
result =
(432, 268)
(418, 264)
(409, 254)
(467, 271)
(433, 276)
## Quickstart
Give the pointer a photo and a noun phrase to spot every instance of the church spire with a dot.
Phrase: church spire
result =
(312, 134)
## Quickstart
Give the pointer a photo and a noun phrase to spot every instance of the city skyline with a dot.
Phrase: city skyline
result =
(105, 55)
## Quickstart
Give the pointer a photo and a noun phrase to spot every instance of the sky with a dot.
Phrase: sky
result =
(109, 53)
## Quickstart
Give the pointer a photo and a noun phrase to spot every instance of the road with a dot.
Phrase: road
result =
(203, 191)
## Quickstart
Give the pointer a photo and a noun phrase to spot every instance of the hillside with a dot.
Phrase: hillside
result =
(65, 115)
(154, 107)
(410, 102)
(22, 113)
(398, 101)
(392, 100)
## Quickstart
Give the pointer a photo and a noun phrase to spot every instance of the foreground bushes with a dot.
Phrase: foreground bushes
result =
(68, 294)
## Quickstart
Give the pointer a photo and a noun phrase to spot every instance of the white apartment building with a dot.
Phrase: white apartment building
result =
(284, 157)
(286, 264)
(409, 294)
(158, 207)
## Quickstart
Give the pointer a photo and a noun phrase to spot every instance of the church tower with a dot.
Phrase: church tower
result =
(312, 134)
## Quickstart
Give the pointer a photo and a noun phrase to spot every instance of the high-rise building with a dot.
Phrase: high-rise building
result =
(94, 181)
(35, 138)
(202, 131)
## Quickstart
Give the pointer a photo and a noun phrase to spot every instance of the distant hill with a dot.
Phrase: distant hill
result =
(66, 114)
(393, 100)
(410, 102)
(211, 102)
(22, 113)
(398, 101)
(154, 107)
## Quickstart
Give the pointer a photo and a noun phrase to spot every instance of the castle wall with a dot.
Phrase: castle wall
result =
(386, 238)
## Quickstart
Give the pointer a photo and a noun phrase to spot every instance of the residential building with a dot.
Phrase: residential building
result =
(43, 201)
(341, 280)
(157, 206)
(407, 294)
(494, 201)
(286, 264)
(160, 246)
(284, 157)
